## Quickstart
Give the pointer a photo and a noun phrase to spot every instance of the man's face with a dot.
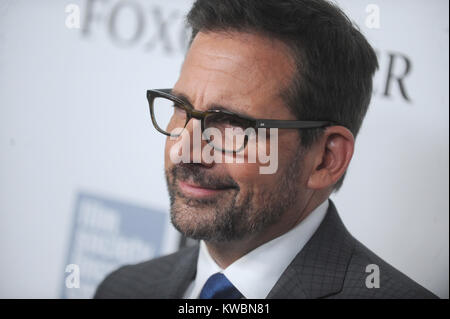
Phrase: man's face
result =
(246, 74)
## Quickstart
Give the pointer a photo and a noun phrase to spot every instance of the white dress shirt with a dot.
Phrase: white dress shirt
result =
(257, 272)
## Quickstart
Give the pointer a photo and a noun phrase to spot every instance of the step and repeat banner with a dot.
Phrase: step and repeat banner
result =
(82, 186)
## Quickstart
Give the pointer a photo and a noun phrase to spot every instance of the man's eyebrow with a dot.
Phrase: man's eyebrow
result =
(182, 97)
(228, 109)
(212, 106)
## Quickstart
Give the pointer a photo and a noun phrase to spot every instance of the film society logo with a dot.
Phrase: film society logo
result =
(107, 234)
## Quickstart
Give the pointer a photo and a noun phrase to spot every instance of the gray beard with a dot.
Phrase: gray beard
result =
(231, 217)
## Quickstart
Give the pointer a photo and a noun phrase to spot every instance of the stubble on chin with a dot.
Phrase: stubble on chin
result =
(211, 219)
(236, 214)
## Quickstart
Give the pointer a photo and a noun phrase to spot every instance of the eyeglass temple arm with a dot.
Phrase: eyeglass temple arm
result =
(291, 124)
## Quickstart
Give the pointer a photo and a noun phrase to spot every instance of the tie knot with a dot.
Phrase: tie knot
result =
(219, 287)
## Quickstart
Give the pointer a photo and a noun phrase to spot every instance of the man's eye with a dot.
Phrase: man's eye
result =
(234, 122)
(178, 111)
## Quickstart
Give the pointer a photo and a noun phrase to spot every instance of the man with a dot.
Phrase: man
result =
(276, 235)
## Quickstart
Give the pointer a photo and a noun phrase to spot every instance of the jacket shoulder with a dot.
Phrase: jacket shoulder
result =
(147, 279)
(369, 276)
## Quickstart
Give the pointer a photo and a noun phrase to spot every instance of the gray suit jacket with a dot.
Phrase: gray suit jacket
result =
(331, 265)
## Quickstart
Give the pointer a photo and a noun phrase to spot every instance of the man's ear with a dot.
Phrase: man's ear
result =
(331, 157)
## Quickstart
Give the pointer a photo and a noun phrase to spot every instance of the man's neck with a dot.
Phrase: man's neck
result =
(225, 253)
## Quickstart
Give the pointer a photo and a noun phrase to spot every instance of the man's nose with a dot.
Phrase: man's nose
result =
(196, 142)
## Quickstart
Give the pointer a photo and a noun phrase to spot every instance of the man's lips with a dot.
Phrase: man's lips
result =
(193, 190)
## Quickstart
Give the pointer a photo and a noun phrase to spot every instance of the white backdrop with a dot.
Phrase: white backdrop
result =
(73, 117)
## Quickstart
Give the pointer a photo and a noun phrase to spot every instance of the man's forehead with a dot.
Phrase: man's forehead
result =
(248, 52)
(233, 65)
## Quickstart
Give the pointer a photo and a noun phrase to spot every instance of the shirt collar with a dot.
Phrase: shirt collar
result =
(252, 274)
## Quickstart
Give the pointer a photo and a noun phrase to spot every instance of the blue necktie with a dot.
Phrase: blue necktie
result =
(219, 287)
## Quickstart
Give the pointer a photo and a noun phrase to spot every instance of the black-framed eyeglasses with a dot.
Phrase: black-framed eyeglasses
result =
(224, 130)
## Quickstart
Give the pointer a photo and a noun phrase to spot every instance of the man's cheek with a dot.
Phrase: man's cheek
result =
(244, 173)
(167, 149)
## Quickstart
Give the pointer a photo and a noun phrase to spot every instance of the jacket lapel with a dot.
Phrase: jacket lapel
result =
(183, 273)
(319, 269)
